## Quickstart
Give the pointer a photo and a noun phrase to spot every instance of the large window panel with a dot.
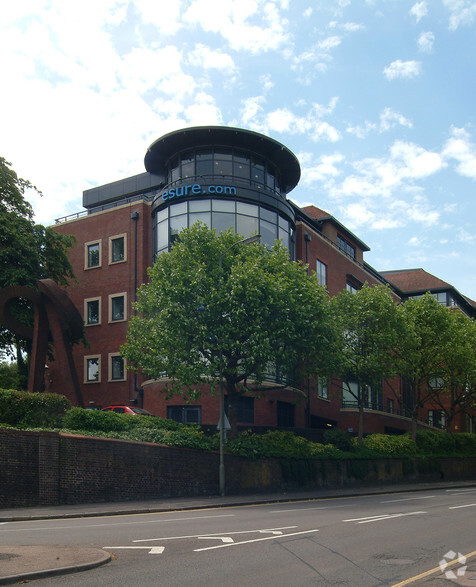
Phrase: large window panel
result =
(222, 221)
(246, 225)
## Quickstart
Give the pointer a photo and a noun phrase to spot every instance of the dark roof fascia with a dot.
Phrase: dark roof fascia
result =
(450, 289)
(164, 147)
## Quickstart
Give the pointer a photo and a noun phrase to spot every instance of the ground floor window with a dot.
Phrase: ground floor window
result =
(245, 409)
(185, 414)
(436, 418)
(285, 413)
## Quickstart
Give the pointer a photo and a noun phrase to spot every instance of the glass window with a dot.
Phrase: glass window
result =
(257, 171)
(249, 209)
(93, 254)
(117, 249)
(177, 209)
(350, 287)
(117, 370)
(203, 217)
(222, 167)
(92, 369)
(345, 246)
(177, 223)
(245, 409)
(266, 214)
(162, 235)
(204, 167)
(284, 238)
(246, 225)
(241, 170)
(92, 312)
(199, 206)
(222, 221)
(321, 272)
(322, 388)
(223, 206)
(285, 414)
(117, 307)
(185, 414)
(268, 232)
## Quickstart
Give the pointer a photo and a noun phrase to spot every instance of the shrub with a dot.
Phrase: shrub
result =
(387, 445)
(436, 442)
(35, 410)
(97, 420)
(339, 438)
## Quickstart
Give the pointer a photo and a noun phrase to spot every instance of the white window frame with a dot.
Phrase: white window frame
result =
(109, 360)
(86, 254)
(86, 313)
(321, 271)
(117, 295)
(87, 358)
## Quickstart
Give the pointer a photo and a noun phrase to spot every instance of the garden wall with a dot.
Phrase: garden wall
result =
(45, 468)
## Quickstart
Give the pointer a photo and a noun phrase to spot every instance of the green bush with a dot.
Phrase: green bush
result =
(339, 438)
(97, 420)
(388, 445)
(435, 443)
(278, 444)
(32, 410)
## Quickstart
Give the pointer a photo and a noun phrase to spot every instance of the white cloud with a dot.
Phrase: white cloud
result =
(325, 168)
(231, 19)
(402, 69)
(415, 241)
(203, 111)
(207, 58)
(425, 42)
(388, 119)
(462, 12)
(419, 10)
(460, 148)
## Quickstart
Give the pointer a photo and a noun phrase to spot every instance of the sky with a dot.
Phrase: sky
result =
(376, 98)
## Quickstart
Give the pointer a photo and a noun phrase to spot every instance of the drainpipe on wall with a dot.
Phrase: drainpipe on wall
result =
(307, 239)
(138, 390)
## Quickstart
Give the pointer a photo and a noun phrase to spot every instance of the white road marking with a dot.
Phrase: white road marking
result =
(297, 509)
(224, 539)
(457, 507)
(151, 549)
(407, 499)
(381, 517)
(273, 530)
(42, 528)
(256, 540)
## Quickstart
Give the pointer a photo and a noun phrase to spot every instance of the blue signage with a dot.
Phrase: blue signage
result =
(197, 189)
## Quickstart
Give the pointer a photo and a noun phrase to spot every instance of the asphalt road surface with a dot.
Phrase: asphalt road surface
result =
(361, 541)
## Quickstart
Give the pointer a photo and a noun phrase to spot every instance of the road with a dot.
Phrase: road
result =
(359, 541)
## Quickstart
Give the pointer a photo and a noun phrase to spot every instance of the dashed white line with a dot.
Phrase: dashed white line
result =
(457, 507)
(407, 499)
(381, 517)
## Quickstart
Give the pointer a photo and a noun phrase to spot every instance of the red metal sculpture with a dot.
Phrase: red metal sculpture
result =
(56, 319)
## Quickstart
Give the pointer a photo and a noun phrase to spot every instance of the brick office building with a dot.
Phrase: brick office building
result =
(223, 177)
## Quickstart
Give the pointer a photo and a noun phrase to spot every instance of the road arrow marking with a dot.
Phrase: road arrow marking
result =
(256, 540)
(151, 549)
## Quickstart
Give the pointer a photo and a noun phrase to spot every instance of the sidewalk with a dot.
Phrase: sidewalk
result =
(19, 563)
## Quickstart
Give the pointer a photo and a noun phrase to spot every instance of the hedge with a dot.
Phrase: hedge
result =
(24, 409)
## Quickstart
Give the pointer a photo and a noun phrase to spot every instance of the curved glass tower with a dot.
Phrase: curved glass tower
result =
(224, 177)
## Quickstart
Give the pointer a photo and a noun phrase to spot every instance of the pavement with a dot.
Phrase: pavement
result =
(24, 563)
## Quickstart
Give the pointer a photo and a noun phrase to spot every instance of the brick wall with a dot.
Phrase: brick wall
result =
(39, 468)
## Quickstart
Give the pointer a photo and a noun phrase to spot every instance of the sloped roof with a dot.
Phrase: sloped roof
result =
(315, 212)
(413, 280)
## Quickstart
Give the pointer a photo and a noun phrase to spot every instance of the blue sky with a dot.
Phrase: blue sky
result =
(375, 97)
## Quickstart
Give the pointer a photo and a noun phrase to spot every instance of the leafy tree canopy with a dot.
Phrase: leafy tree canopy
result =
(28, 251)
(215, 305)
(369, 329)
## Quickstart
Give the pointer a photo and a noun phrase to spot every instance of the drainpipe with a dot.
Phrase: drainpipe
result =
(307, 239)
(135, 218)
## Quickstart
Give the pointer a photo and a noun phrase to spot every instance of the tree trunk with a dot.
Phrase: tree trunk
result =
(361, 422)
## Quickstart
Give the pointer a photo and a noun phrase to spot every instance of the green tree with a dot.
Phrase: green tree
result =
(28, 252)
(453, 385)
(215, 306)
(369, 328)
(432, 356)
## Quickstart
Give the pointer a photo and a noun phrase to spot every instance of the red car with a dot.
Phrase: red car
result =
(127, 410)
